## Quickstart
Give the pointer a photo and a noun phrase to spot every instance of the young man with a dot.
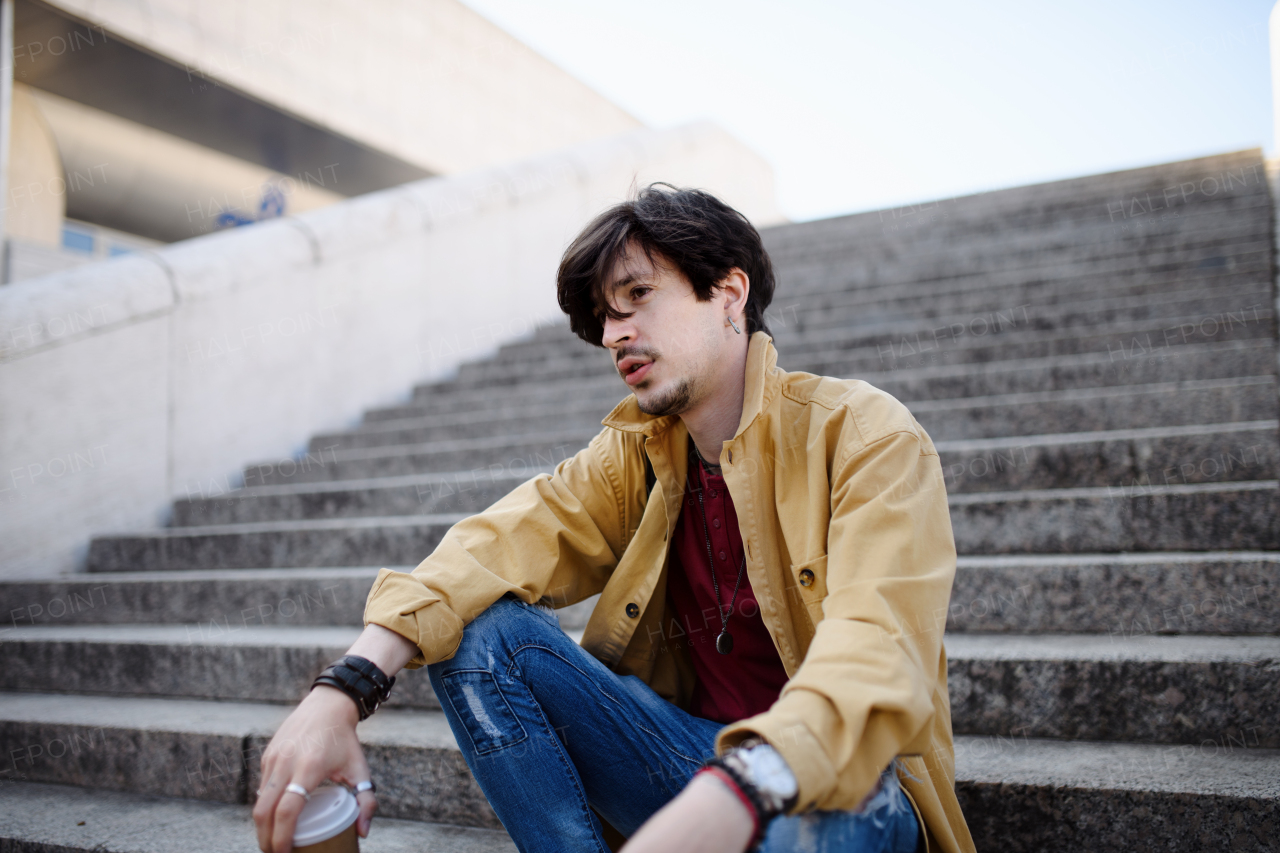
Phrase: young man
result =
(774, 556)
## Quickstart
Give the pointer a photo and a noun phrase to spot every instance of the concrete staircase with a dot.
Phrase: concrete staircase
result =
(1096, 360)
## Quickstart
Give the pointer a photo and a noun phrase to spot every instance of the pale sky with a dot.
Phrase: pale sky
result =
(861, 105)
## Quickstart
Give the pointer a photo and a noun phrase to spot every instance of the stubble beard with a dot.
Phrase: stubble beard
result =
(674, 402)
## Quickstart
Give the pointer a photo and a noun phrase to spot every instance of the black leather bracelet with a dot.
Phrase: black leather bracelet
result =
(360, 679)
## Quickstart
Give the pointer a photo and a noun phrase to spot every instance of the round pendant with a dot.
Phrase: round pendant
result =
(724, 642)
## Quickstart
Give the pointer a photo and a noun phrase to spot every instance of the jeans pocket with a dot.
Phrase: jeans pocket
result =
(483, 710)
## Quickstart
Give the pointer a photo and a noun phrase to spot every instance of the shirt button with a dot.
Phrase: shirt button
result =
(715, 522)
(722, 555)
(633, 610)
(806, 578)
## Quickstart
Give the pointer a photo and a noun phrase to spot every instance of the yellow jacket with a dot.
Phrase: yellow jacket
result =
(840, 499)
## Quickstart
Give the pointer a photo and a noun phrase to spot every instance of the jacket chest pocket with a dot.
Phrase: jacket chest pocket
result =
(809, 584)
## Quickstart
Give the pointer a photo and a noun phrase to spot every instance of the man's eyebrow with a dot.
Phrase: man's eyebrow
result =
(630, 278)
(622, 282)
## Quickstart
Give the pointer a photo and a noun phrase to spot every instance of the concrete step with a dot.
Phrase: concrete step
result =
(219, 658)
(1245, 398)
(1153, 689)
(1225, 592)
(829, 240)
(421, 494)
(1064, 797)
(230, 598)
(871, 266)
(211, 751)
(387, 541)
(1170, 689)
(446, 422)
(1046, 306)
(850, 271)
(1082, 200)
(1121, 596)
(1202, 453)
(969, 339)
(1158, 455)
(40, 818)
(1194, 517)
(498, 456)
(234, 597)
(1018, 794)
(865, 257)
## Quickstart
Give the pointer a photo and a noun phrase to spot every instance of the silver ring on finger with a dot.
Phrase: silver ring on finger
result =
(295, 788)
(368, 785)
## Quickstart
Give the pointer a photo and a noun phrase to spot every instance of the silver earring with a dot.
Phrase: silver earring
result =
(735, 326)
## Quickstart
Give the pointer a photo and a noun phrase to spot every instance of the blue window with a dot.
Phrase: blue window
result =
(119, 250)
(77, 240)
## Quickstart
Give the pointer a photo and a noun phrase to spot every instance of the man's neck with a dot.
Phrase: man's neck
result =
(715, 420)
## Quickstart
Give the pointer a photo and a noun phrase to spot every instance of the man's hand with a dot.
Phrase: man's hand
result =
(707, 817)
(316, 742)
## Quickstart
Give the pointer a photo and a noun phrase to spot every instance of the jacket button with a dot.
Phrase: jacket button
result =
(633, 610)
(806, 578)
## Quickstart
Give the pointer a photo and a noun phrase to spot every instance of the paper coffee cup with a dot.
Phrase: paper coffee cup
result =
(328, 823)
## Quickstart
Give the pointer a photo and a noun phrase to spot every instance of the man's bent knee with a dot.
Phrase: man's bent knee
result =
(490, 638)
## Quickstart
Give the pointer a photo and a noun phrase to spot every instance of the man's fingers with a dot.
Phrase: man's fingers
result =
(289, 804)
(355, 772)
(264, 810)
(368, 805)
(286, 818)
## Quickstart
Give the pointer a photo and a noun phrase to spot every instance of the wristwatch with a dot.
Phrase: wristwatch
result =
(762, 767)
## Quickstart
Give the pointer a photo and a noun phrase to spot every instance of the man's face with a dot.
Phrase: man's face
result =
(667, 351)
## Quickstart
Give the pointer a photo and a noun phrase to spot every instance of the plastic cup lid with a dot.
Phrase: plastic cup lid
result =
(330, 811)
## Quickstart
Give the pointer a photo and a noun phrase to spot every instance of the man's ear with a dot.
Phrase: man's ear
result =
(735, 288)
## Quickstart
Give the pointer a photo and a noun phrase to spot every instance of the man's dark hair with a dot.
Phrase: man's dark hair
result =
(694, 231)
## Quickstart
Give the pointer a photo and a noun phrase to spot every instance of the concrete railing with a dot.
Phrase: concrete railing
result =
(128, 383)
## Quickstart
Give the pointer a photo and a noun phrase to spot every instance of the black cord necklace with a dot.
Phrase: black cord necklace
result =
(724, 640)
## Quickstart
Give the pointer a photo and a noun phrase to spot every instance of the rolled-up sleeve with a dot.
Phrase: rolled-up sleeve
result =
(866, 686)
(556, 536)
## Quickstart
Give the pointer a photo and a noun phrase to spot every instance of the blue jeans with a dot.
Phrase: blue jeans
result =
(551, 734)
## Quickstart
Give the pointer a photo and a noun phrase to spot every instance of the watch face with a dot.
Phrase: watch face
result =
(770, 771)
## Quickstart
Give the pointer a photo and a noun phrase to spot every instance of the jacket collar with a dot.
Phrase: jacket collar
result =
(758, 390)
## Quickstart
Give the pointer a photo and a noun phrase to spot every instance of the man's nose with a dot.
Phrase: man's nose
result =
(617, 331)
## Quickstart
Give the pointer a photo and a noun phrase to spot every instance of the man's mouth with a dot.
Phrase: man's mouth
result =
(634, 369)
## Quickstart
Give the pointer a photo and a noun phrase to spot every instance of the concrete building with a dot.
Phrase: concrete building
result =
(136, 124)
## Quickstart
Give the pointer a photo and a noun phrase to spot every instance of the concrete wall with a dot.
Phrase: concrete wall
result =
(427, 80)
(129, 382)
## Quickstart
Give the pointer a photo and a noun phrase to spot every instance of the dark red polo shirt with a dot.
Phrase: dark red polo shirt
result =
(746, 681)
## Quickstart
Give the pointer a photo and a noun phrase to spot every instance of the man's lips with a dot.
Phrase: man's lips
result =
(634, 370)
